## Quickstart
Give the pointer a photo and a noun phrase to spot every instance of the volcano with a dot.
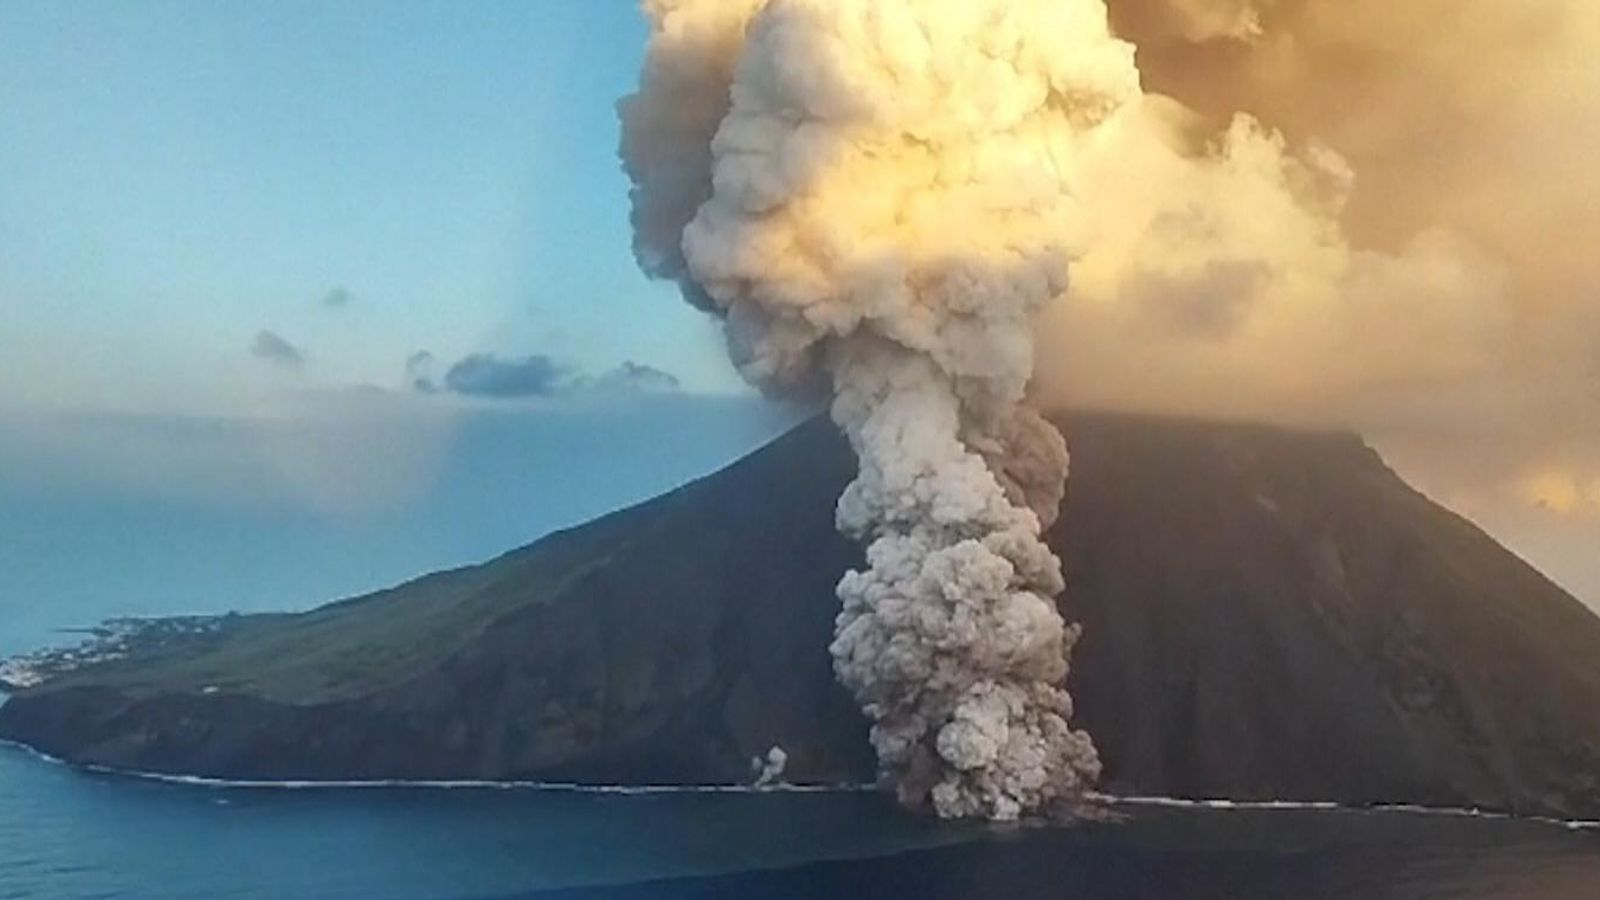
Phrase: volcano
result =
(1268, 615)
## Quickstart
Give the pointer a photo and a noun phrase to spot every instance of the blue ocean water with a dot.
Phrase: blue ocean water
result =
(71, 835)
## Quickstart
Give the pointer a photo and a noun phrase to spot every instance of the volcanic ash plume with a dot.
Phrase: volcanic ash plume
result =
(878, 195)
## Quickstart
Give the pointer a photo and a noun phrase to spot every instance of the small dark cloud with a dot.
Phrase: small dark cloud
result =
(486, 375)
(637, 377)
(273, 348)
(419, 372)
(338, 298)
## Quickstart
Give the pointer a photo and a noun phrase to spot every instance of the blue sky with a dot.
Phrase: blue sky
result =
(183, 184)
(187, 425)
(176, 177)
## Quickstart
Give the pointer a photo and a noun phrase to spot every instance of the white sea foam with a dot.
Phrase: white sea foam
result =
(33, 752)
(19, 674)
(1330, 806)
(471, 784)
(1217, 804)
(438, 784)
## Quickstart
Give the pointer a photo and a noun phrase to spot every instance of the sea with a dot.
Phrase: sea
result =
(67, 834)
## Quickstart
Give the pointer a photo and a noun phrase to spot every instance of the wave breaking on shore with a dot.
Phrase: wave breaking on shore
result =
(1133, 801)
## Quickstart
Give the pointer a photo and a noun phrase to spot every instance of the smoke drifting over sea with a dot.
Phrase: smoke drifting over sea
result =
(1316, 211)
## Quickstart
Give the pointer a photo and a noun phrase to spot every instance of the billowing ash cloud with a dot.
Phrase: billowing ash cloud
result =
(274, 348)
(883, 193)
(1405, 185)
(1360, 213)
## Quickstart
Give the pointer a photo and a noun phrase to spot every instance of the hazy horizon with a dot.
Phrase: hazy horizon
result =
(149, 514)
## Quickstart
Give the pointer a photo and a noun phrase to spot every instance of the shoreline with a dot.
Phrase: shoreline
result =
(1133, 801)
(435, 784)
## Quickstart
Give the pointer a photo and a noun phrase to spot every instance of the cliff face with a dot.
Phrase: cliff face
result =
(1267, 615)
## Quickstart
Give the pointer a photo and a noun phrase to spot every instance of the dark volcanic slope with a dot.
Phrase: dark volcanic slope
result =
(1268, 615)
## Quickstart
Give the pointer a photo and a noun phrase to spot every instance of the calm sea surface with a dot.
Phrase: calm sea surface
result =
(67, 835)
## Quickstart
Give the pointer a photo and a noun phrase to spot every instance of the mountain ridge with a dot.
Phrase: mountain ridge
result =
(1269, 614)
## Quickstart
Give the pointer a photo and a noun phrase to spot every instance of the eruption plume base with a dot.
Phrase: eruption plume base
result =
(950, 639)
